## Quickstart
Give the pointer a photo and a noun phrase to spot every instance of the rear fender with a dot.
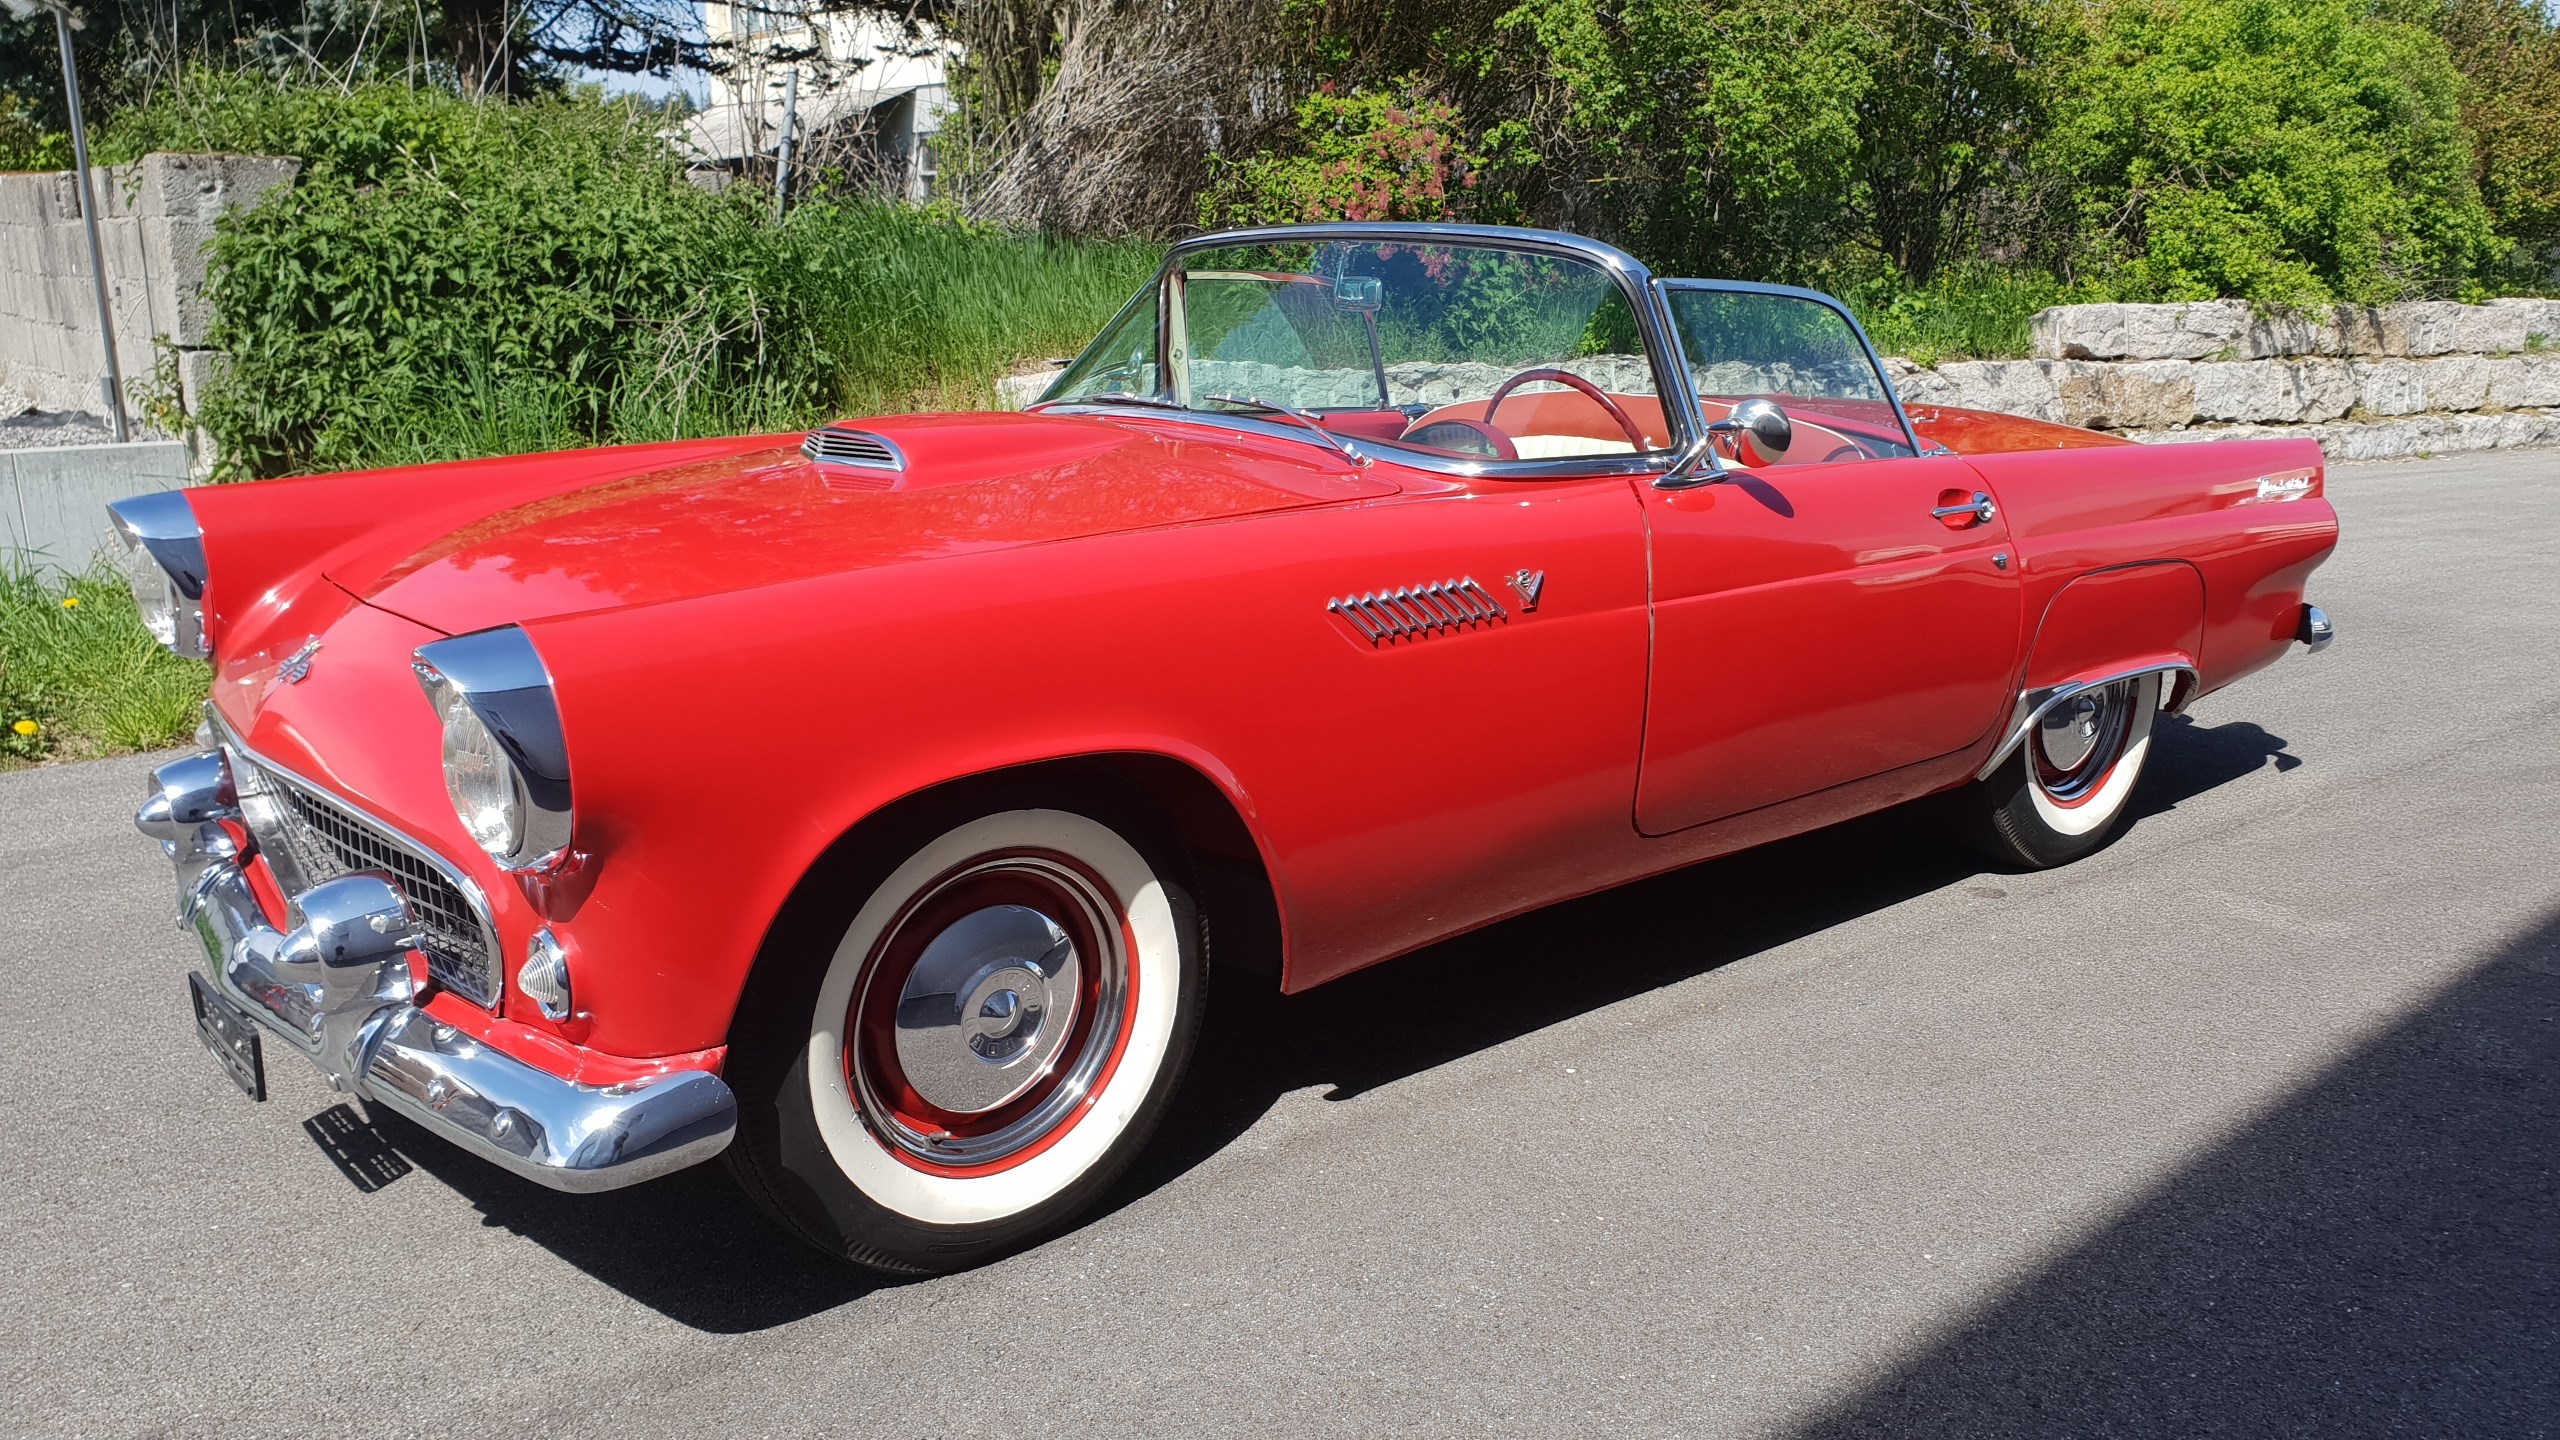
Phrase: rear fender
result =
(2112, 625)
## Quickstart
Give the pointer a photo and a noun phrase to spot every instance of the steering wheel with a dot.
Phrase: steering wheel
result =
(1572, 381)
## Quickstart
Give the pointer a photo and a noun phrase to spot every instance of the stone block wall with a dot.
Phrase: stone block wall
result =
(155, 224)
(2367, 381)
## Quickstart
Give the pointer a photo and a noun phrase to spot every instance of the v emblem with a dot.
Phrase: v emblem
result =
(1529, 584)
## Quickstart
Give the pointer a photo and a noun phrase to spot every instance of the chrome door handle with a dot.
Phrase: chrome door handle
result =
(1980, 508)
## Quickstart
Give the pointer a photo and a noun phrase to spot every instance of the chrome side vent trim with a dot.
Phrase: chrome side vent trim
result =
(842, 445)
(1413, 612)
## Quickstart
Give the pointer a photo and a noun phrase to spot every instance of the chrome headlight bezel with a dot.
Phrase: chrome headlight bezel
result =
(493, 697)
(164, 562)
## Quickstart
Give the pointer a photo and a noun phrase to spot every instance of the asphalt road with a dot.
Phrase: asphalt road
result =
(2246, 1125)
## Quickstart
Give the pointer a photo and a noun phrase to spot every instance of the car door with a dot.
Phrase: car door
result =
(1835, 612)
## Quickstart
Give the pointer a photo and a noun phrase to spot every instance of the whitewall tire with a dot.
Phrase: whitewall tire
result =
(2066, 786)
(960, 1065)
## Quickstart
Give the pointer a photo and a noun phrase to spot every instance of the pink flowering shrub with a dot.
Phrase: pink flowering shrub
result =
(1396, 154)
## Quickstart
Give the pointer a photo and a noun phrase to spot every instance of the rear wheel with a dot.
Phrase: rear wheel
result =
(955, 1058)
(2065, 788)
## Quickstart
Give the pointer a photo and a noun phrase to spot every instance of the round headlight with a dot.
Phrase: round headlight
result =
(151, 588)
(164, 561)
(487, 793)
(506, 764)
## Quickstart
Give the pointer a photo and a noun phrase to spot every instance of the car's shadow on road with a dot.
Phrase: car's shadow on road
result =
(2378, 1255)
(692, 1247)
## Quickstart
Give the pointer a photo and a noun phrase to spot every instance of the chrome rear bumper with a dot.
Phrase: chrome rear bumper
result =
(337, 987)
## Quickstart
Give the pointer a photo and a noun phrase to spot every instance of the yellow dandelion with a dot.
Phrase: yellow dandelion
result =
(70, 602)
(26, 727)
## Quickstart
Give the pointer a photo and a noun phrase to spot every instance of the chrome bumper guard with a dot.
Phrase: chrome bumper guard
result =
(337, 987)
(2314, 630)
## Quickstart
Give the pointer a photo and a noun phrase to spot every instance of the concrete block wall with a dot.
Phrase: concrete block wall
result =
(2364, 380)
(155, 220)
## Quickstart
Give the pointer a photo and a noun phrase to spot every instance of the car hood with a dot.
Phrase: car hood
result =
(766, 515)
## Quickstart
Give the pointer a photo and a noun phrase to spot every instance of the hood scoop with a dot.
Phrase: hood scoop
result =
(844, 445)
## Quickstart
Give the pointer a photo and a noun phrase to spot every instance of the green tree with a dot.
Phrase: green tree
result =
(2509, 54)
(2280, 150)
(1721, 137)
(1955, 94)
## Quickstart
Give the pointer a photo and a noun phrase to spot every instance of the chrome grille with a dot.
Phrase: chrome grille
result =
(836, 445)
(309, 838)
(1414, 611)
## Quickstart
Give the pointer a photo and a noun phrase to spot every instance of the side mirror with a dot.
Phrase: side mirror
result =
(1761, 432)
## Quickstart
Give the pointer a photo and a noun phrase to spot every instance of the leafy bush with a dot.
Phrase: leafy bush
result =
(436, 252)
(79, 676)
(2279, 150)
(451, 277)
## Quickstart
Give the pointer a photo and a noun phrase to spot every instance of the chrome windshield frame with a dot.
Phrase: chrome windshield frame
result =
(1672, 384)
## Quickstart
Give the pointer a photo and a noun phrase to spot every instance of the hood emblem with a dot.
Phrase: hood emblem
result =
(297, 666)
(1529, 584)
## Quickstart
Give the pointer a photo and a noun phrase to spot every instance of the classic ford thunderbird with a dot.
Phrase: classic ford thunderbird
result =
(864, 805)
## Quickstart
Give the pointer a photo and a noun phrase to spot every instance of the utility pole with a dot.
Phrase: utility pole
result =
(113, 384)
(782, 155)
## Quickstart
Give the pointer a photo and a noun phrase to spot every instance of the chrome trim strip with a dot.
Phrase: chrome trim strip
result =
(500, 675)
(472, 894)
(2033, 703)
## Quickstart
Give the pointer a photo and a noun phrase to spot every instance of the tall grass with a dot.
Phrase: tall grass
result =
(921, 311)
(1977, 313)
(79, 676)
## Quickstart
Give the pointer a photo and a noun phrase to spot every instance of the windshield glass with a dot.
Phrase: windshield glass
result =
(1477, 351)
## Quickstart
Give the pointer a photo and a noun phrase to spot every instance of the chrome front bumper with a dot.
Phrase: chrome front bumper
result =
(337, 987)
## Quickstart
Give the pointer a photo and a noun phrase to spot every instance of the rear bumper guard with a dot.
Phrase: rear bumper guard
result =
(338, 987)
(2315, 631)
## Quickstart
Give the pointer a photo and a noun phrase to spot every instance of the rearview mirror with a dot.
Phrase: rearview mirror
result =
(1358, 292)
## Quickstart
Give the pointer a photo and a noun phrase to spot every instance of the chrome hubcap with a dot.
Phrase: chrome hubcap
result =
(2069, 731)
(990, 1013)
(986, 1008)
(2077, 739)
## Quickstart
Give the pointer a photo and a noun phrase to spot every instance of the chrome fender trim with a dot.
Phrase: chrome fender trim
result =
(2033, 703)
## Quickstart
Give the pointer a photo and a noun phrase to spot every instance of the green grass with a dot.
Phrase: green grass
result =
(77, 666)
(1977, 314)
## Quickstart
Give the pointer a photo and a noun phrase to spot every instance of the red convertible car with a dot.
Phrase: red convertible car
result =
(869, 805)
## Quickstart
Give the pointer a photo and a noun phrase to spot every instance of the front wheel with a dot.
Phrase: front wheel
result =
(956, 1061)
(2060, 794)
